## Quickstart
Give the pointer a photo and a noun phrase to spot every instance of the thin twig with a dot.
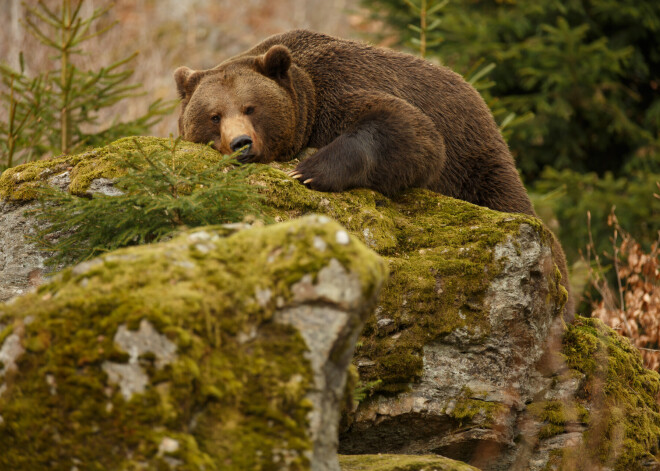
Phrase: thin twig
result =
(615, 256)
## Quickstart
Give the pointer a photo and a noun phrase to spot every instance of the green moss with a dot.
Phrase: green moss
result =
(227, 402)
(624, 421)
(362, 391)
(19, 183)
(439, 250)
(470, 408)
(401, 463)
(555, 460)
(5, 332)
(552, 414)
(583, 414)
(550, 430)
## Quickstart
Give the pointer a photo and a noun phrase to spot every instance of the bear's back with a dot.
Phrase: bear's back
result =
(339, 65)
(474, 146)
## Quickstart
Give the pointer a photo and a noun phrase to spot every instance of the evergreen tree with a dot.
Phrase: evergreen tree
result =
(52, 112)
(585, 77)
(587, 69)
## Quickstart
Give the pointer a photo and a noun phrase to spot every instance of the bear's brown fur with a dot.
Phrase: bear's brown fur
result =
(381, 119)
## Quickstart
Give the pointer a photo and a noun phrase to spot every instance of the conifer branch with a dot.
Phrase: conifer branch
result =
(158, 197)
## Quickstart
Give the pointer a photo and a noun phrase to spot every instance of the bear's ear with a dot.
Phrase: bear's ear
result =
(275, 63)
(186, 81)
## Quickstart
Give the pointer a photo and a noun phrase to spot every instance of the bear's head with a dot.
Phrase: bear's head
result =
(249, 103)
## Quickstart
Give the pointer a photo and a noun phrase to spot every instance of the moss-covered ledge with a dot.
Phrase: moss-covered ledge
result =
(401, 463)
(439, 250)
(18, 183)
(447, 260)
(192, 354)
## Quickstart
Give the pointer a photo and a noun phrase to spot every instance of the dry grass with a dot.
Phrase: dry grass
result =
(633, 306)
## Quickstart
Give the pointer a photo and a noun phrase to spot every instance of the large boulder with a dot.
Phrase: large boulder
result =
(205, 352)
(462, 356)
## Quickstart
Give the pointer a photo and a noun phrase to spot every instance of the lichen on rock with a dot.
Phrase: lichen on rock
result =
(401, 463)
(76, 173)
(165, 357)
(452, 361)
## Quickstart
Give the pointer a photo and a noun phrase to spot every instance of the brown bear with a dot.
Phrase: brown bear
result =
(381, 119)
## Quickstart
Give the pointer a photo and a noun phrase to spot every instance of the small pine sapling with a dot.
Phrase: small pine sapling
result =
(160, 194)
(52, 112)
(427, 11)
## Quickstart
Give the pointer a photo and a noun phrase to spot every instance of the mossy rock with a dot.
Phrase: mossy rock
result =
(19, 183)
(401, 463)
(439, 249)
(441, 262)
(618, 398)
(171, 355)
(441, 255)
(602, 412)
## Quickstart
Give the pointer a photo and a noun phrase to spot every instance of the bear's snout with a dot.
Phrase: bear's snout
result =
(240, 142)
(238, 132)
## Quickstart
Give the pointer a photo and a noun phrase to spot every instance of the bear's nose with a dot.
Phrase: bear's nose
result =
(240, 142)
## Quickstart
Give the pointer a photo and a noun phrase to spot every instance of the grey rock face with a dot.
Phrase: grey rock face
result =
(330, 330)
(21, 263)
(131, 377)
(482, 379)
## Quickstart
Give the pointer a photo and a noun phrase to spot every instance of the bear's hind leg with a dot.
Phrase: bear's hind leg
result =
(390, 145)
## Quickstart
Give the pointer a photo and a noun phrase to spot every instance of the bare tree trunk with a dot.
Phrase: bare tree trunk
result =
(16, 31)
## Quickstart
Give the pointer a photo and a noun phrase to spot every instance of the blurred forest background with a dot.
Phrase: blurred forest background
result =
(573, 84)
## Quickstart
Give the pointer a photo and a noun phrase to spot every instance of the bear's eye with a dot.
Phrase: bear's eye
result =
(249, 110)
(215, 119)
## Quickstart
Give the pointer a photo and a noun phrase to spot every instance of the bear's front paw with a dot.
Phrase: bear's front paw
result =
(314, 178)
